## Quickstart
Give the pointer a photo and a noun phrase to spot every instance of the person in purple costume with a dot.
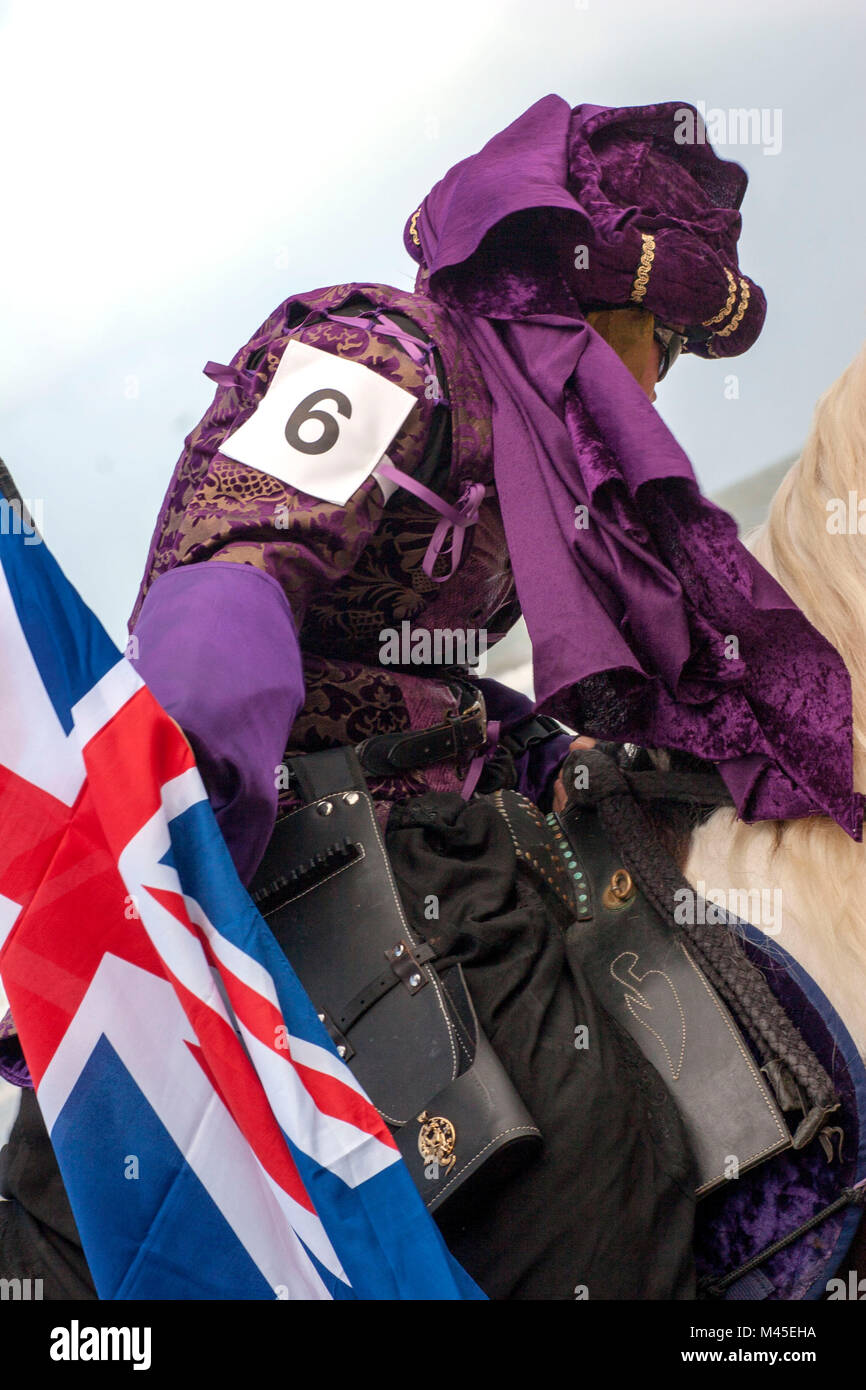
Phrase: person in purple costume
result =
(488, 448)
(590, 522)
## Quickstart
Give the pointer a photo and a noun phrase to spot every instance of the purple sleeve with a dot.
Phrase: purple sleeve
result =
(541, 767)
(216, 644)
(537, 767)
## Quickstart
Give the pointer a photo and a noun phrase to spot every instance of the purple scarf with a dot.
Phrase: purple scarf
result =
(649, 621)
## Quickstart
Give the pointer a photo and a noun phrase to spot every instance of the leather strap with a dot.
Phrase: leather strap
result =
(457, 736)
(402, 970)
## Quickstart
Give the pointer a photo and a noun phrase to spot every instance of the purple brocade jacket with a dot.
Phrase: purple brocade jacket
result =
(337, 577)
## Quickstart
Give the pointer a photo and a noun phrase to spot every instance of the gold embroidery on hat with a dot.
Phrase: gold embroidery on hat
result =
(723, 313)
(738, 316)
(641, 279)
(412, 227)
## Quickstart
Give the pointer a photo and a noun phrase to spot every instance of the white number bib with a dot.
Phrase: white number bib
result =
(323, 424)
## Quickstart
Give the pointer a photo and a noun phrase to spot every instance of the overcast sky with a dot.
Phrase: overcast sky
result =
(172, 171)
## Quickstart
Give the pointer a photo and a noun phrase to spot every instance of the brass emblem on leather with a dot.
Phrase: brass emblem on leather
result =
(436, 1140)
(620, 891)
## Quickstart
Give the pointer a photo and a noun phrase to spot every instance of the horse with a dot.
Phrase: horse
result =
(812, 872)
(812, 543)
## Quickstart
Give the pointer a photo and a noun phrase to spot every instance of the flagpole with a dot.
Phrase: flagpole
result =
(10, 493)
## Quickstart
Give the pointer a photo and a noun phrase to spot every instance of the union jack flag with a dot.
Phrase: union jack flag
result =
(212, 1143)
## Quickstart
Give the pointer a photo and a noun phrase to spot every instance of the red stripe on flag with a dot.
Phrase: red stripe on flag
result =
(127, 761)
(31, 824)
(173, 902)
(230, 1069)
(236, 1081)
(332, 1097)
(80, 910)
(264, 1021)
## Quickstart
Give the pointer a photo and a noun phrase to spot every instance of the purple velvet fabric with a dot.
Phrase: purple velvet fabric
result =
(13, 1067)
(769, 1201)
(556, 208)
(216, 644)
(636, 644)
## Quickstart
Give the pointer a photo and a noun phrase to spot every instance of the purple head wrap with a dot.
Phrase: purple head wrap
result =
(649, 621)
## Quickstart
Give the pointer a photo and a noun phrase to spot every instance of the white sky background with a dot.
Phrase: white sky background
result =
(171, 172)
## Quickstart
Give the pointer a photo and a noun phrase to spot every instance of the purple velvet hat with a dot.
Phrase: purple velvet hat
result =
(632, 207)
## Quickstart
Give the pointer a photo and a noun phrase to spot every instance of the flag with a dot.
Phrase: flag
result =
(212, 1143)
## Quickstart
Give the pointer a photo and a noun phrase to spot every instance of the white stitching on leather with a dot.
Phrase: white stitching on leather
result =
(333, 874)
(771, 1148)
(515, 1129)
(675, 1071)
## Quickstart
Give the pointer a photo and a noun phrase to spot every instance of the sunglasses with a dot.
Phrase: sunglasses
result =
(671, 344)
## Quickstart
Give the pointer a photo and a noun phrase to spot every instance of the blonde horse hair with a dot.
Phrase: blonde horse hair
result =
(818, 865)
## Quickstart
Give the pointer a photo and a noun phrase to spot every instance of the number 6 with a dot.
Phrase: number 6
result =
(330, 428)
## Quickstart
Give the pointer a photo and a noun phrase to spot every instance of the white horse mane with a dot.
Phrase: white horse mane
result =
(818, 870)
